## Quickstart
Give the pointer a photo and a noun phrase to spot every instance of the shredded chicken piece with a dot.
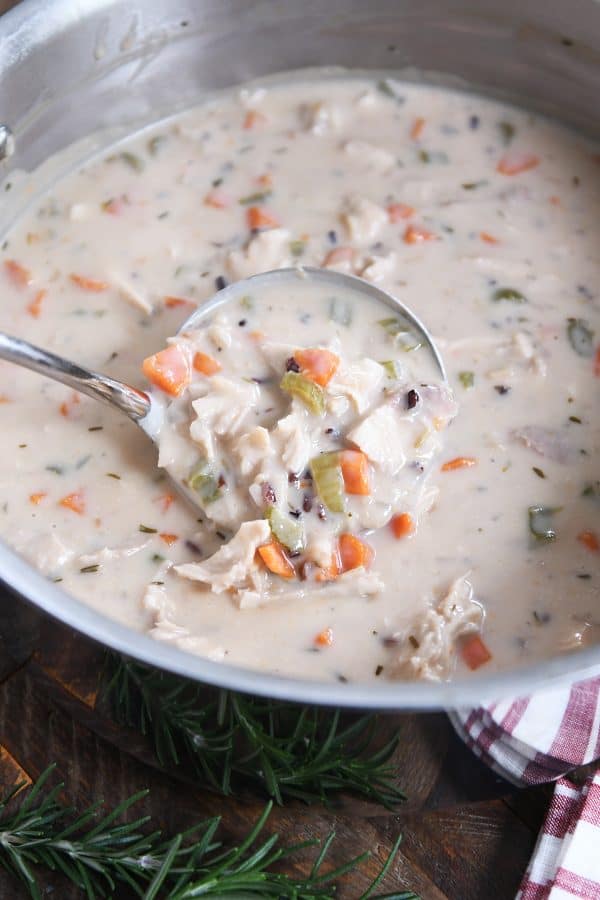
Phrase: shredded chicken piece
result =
(224, 409)
(370, 154)
(130, 293)
(294, 440)
(548, 442)
(377, 268)
(380, 435)
(363, 219)
(428, 648)
(252, 449)
(358, 381)
(107, 554)
(229, 568)
(47, 552)
(266, 250)
(318, 118)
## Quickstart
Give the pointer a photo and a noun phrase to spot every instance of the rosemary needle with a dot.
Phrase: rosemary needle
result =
(103, 856)
(228, 739)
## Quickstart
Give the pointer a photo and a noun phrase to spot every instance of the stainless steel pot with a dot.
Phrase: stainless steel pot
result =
(69, 68)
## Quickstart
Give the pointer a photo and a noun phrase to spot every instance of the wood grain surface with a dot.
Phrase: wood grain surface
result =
(467, 834)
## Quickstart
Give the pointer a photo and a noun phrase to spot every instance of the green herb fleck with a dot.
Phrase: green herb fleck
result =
(96, 428)
(539, 472)
(393, 326)
(507, 132)
(575, 419)
(86, 570)
(473, 185)
(132, 160)
(424, 156)
(113, 475)
(467, 379)
(592, 490)
(507, 293)
(157, 558)
(257, 197)
(297, 248)
(246, 302)
(147, 530)
(156, 144)
(58, 470)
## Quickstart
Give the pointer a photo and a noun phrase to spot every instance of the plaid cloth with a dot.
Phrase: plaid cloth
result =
(536, 739)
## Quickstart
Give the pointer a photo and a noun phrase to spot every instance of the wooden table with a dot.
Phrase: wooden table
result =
(467, 834)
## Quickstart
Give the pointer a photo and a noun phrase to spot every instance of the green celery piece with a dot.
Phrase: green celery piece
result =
(508, 293)
(393, 325)
(305, 390)
(289, 532)
(391, 367)
(202, 481)
(340, 311)
(327, 475)
(467, 379)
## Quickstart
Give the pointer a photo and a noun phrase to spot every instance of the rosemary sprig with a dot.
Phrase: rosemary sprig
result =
(104, 856)
(229, 739)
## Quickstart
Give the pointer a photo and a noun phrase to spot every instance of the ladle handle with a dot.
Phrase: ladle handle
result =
(136, 404)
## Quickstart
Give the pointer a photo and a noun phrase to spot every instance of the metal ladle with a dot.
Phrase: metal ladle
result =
(143, 408)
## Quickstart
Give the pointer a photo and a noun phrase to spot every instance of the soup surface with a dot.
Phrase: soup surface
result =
(480, 217)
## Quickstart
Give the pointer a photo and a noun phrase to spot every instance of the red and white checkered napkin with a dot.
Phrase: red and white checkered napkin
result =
(535, 739)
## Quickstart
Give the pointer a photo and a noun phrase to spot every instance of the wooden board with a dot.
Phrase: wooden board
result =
(467, 834)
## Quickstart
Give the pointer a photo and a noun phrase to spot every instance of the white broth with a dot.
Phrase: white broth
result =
(480, 217)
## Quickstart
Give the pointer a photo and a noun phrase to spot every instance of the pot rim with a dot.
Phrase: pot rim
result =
(36, 18)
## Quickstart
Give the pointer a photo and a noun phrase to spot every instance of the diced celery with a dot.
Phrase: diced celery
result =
(288, 531)
(305, 390)
(203, 482)
(340, 311)
(392, 368)
(327, 475)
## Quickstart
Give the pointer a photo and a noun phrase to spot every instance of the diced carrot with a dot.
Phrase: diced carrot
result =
(114, 206)
(339, 255)
(488, 238)
(206, 364)
(275, 559)
(324, 638)
(330, 572)
(67, 406)
(415, 234)
(36, 499)
(317, 364)
(354, 552)
(590, 540)
(260, 218)
(515, 162)
(474, 652)
(402, 525)
(355, 472)
(175, 302)
(460, 462)
(265, 180)
(88, 284)
(35, 307)
(252, 118)
(165, 501)
(398, 211)
(217, 199)
(597, 363)
(168, 538)
(417, 128)
(169, 369)
(18, 274)
(75, 502)
(4, 398)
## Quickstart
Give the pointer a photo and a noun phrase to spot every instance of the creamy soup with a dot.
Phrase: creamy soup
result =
(480, 217)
